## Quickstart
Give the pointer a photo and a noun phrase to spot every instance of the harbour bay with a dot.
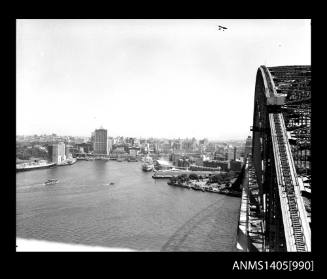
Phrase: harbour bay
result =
(135, 212)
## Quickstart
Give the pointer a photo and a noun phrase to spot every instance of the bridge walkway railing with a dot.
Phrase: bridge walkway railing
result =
(297, 230)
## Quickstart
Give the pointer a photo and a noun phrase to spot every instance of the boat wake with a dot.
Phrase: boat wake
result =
(32, 186)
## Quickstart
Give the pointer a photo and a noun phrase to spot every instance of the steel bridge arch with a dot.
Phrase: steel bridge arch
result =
(282, 100)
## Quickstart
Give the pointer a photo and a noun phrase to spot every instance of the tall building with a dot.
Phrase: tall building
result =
(230, 153)
(100, 143)
(57, 152)
(235, 153)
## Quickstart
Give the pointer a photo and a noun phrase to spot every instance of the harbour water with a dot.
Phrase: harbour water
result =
(135, 212)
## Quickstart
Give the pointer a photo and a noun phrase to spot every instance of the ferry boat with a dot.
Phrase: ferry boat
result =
(67, 162)
(34, 166)
(148, 164)
(147, 167)
(51, 181)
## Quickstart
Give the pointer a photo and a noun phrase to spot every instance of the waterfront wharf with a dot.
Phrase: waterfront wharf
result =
(176, 172)
(202, 186)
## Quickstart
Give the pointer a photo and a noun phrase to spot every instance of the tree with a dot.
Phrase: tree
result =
(183, 178)
(193, 176)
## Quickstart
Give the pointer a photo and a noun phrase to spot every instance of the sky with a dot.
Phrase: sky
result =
(148, 78)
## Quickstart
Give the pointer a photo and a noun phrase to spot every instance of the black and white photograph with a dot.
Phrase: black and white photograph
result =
(163, 135)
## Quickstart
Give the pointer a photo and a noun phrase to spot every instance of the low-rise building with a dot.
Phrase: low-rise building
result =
(224, 165)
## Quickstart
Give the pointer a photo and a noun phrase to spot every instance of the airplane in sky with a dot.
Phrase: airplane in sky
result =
(221, 27)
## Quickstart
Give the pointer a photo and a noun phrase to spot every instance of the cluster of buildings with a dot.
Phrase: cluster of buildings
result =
(218, 156)
(180, 152)
(49, 138)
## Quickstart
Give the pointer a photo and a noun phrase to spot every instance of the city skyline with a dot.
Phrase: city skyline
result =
(127, 137)
(148, 78)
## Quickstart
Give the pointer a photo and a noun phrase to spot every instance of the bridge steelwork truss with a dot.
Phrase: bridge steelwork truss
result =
(281, 155)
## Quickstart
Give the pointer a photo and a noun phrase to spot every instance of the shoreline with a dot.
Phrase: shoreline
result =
(210, 189)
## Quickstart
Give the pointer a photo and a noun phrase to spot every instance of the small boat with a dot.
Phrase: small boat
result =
(112, 183)
(147, 167)
(51, 181)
